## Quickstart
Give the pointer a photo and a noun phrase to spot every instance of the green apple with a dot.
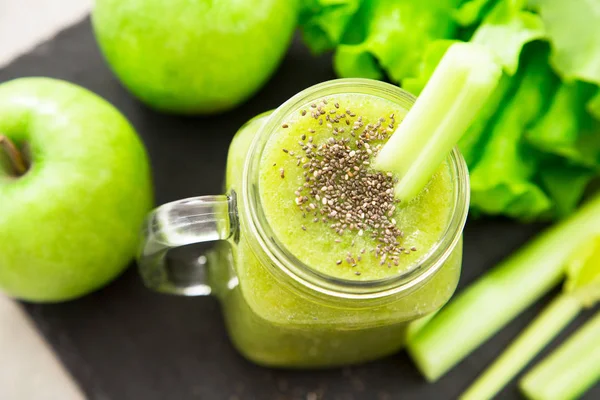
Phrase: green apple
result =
(74, 189)
(194, 56)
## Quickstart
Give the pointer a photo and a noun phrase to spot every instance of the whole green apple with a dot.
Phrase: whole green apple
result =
(194, 56)
(74, 189)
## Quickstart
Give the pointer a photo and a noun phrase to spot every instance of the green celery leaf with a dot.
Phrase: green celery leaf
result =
(501, 182)
(567, 130)
(565, 184)
(572, 29)
(506, 29)
(530, 202)
(431, 58)
(471, 11)
(473, 141)
(593, 106)
(353, 61)
(324, 22)
(397, 32)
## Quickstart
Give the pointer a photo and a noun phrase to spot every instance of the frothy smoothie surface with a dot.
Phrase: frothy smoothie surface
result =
(326, 204)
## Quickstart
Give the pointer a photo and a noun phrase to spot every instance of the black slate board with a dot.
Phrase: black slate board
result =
(126, 342)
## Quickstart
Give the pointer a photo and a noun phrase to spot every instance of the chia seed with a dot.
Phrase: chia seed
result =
(344, 191)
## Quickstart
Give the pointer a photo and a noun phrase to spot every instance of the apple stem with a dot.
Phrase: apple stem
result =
(15, 157)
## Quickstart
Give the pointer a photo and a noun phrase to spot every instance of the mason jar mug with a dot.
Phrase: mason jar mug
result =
(280, 312)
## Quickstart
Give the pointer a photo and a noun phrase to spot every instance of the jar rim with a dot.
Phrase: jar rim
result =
(282, 262)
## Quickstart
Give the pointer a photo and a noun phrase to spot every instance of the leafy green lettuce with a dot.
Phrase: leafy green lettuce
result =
(472, 11)
(324, 22)
(536, 143)
(567, 130)
(506, 29)
(572, 28)
(501, 180)
(373, 38)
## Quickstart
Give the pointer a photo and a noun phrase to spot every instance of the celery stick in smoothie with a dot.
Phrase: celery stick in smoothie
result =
(460, 86)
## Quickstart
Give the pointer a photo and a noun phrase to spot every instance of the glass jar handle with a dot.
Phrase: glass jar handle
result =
(176, 224)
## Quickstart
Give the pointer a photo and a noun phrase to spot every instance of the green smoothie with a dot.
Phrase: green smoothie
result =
(275, 325)
(340, 238)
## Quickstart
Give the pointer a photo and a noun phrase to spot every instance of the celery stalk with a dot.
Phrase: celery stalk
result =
(537, 336)
(496, 298)
(460, 86)
(571, 370)
(581, 289)
(418, 324)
